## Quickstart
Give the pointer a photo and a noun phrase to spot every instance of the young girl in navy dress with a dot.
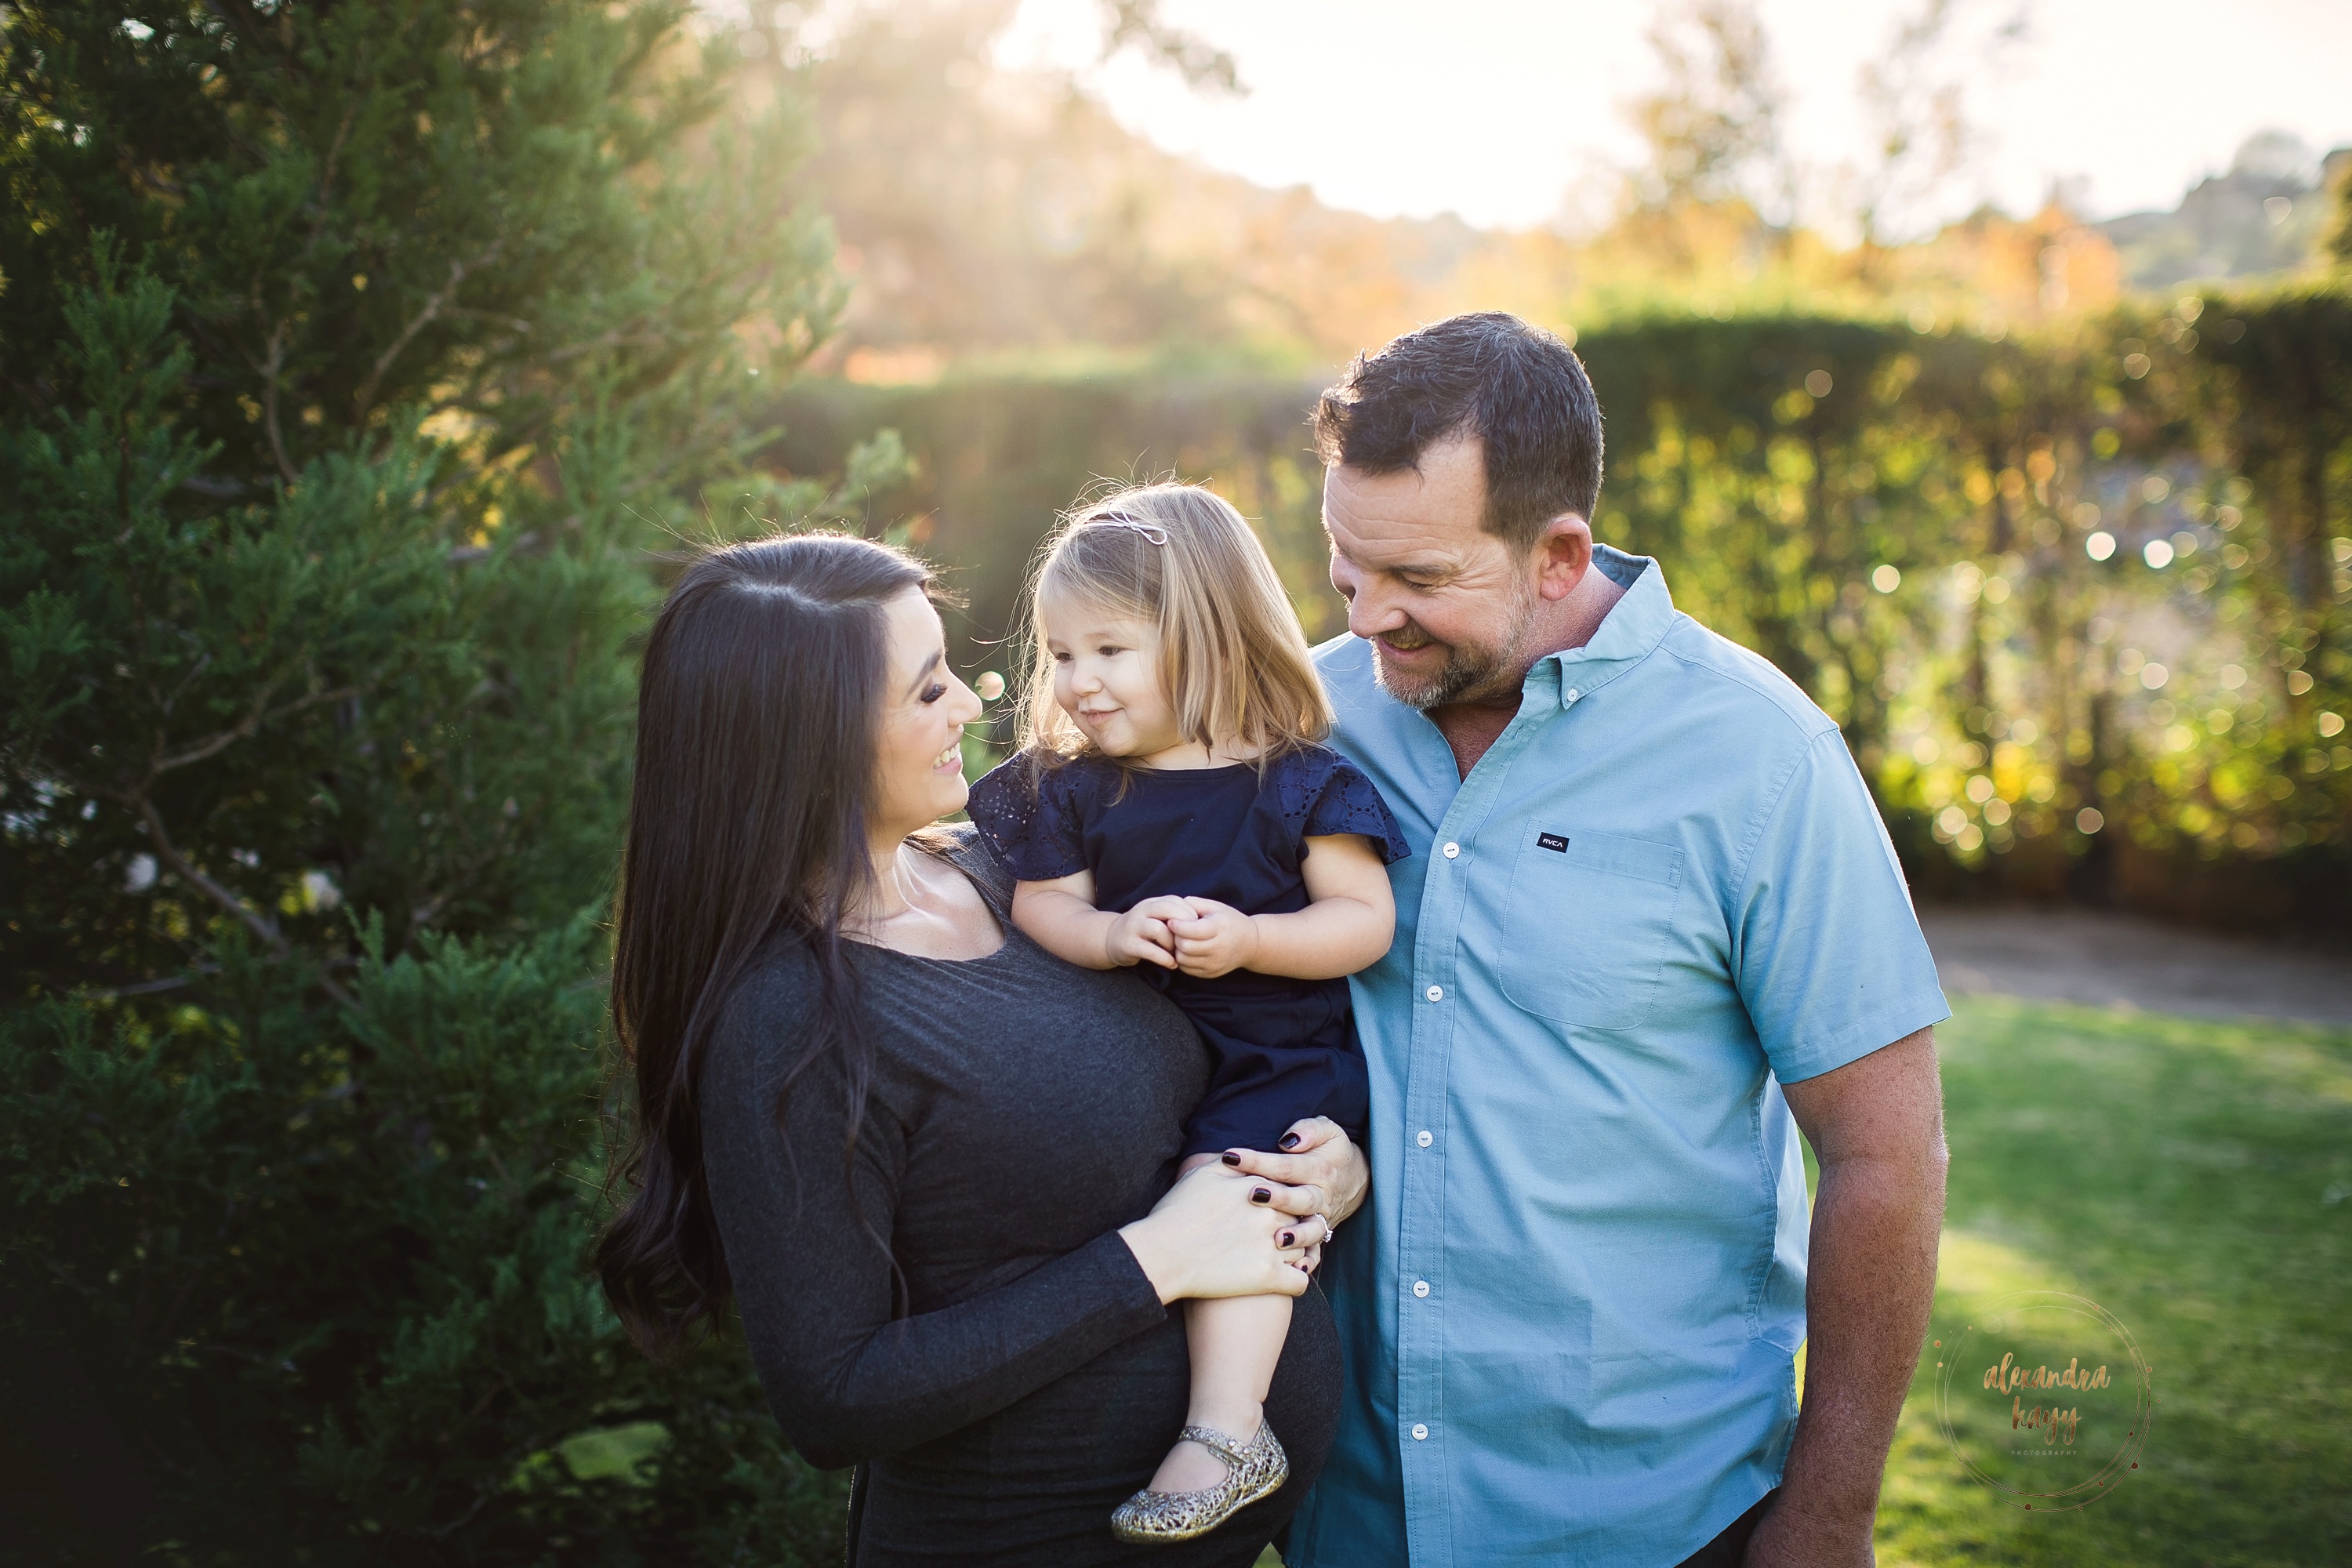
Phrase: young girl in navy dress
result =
(1173, 809)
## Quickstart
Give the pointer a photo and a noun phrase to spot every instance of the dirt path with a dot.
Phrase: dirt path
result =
(2119, 961)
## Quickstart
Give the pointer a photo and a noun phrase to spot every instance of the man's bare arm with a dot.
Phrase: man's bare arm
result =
(1877, 1125)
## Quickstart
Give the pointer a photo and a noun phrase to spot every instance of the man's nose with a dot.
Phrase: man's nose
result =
(1370, 615)
(1364, 612)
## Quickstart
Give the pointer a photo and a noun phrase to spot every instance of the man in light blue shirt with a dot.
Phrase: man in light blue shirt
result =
(1650, 913)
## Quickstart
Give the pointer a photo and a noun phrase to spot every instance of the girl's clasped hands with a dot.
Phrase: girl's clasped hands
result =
(1199, 937)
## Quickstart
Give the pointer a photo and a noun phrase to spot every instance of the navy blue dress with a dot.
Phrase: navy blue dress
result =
(1280, 1048)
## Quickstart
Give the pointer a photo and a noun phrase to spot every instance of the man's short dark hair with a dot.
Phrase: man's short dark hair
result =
(1518, 388)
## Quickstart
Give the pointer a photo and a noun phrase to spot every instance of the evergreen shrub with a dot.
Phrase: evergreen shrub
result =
(355, 360)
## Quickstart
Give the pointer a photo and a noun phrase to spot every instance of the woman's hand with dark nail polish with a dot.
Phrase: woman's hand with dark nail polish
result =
(1231, 1158)
(1319, 1168)
(1207, 1236)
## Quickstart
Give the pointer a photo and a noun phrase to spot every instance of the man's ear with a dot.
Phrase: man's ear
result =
(1563, 556)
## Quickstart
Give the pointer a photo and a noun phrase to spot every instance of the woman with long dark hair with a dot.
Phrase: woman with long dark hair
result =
(928, 1163)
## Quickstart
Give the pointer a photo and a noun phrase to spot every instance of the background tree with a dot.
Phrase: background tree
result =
(2339, 240)
(1714, 126)
(353, 356)
(1914, 103)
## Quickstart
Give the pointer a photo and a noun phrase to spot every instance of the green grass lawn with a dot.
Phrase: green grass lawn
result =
(2194, 1179)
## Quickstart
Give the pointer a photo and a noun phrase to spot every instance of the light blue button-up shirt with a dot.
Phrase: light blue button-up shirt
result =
(1572, 1307)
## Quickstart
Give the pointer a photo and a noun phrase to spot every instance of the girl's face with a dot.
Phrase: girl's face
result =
(1107, 676)
(919, 749)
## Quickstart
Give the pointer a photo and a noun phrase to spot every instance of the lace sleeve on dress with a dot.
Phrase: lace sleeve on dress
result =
(1326, 795)
(1024, 816)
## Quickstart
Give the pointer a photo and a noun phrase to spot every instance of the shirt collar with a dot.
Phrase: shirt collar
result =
(1634, 625)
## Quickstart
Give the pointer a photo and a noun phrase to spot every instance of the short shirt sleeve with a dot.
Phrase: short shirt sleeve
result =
(1831, 961)
(1028, 820)
(1324, 794)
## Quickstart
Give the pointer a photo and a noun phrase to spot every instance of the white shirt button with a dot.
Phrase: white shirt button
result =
(1421, 1287)
(1436, 993)
(1420, 1432)
(1452, 851)
(1573, 694)
(1423, 1138)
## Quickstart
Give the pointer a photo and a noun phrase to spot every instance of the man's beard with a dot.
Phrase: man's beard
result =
(1472, 671)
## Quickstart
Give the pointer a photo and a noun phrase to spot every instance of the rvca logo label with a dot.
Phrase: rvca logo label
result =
(1552, 841)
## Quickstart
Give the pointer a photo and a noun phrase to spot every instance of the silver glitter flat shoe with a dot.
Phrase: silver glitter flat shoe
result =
(1253, 1470)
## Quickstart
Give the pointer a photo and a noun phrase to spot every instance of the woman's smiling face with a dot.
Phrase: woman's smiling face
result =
(919, 746)
(1107, 676)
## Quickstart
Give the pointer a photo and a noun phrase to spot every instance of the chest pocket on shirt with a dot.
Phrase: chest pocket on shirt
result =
(1589, 924)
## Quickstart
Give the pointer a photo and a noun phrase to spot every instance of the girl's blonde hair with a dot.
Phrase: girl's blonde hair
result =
(1233, 658)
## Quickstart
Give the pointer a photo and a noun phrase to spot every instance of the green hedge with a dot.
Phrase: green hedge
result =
(1998, 684)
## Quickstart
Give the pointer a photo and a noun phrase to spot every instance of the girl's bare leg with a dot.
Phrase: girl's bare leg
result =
(1234, 1343)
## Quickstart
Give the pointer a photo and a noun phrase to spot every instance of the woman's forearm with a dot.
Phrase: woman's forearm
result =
(914, 1379)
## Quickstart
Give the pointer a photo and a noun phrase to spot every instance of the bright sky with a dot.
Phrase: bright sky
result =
(1493, 108)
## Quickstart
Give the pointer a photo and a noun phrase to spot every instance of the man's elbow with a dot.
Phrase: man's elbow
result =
(1903, 1170)
(1932, 1153)
(1920, 1161)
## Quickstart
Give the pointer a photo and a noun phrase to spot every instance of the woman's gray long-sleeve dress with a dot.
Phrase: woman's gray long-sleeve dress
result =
(1015, 1376)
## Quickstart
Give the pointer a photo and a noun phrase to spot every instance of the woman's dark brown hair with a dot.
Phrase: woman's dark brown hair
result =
(762, 689)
